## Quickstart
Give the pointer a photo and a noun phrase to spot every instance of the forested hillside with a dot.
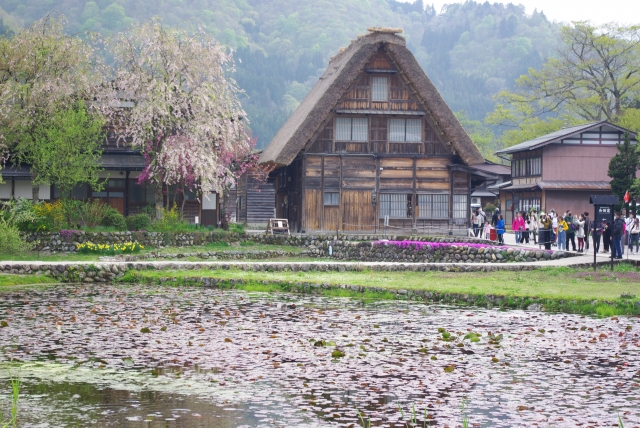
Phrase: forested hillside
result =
(470, 50)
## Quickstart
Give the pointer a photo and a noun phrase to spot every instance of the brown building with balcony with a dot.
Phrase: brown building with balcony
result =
(562, 169)
(374, 140)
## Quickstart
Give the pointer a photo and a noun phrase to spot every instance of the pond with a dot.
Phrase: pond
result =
(145, 356)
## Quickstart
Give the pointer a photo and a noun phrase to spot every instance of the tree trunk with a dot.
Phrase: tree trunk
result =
(157, 189)
(35, 193)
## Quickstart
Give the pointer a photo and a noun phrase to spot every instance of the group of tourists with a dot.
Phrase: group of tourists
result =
(552, 229)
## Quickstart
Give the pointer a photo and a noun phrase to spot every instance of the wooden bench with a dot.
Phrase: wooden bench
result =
(278, 226)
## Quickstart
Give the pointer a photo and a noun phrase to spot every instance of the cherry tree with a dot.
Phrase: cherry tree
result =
(44, 72)
(184, 114)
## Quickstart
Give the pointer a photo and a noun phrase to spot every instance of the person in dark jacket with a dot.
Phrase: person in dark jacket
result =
(606, 236)
(494, 218)
(587, 230)
(571, 232)
(596, 233)
(616, 234)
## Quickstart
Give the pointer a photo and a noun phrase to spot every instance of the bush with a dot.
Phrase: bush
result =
(10, 240)
(114, 219)
(138, 222)
(93, 212)
(171, 221)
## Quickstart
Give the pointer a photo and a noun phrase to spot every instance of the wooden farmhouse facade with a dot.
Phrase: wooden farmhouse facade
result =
(122, 167)
(562, 169)
(373, 140)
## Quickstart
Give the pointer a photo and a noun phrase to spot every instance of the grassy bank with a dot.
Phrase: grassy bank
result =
(562, 289)
(9, 282)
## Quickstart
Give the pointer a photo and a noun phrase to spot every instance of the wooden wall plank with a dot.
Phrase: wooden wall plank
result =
(357, 211)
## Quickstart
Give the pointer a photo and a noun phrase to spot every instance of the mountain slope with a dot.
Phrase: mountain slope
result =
(469, 50)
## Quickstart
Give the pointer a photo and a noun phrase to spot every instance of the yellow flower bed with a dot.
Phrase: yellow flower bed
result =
(109, 249)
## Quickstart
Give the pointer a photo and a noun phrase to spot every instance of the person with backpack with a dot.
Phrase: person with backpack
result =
(480, 218)
(571, 231)
(634, 236)
(617, 233)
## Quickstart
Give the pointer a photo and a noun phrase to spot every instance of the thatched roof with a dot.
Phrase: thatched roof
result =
(342, 71)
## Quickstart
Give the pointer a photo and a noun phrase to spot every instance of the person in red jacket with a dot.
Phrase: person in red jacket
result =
(517, 225)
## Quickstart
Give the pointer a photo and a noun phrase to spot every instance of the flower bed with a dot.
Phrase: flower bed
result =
(109, 249)
(434, 252)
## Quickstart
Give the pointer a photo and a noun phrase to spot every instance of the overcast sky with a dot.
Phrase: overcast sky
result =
(596, 11)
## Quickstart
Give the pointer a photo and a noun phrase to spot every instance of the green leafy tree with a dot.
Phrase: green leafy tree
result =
(43, 72)
(66, 149)
(622, 170)
(480, 134)
(595, 76)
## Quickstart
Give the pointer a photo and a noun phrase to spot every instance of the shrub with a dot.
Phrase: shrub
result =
(10, 240)
(93, 212)
(171, 221)
(73, 212)
(138, 222)
(113, 218)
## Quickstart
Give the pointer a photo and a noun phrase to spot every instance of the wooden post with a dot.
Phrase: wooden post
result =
(303, 208)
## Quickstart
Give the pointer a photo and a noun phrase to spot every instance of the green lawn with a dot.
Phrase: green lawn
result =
(8, 281)
(547, 283)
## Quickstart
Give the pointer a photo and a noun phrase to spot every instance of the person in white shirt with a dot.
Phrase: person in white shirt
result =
(533, 226)
(628, 222)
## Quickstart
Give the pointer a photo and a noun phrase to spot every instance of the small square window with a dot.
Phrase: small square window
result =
(331, 198)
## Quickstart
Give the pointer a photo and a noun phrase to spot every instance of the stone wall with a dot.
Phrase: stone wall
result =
(67, 240)
(374, 252)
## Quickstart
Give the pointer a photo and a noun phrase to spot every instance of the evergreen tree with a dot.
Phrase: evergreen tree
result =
(622, 170)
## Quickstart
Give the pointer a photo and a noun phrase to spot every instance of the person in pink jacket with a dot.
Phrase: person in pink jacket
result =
(517, 225)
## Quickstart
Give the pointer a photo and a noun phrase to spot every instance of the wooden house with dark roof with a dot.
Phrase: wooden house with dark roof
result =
(562, 169)
(372, 140)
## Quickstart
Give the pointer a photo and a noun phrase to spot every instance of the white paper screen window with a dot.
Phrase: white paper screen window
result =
(394, 205)
(414, 131)
(396, 130)
(433, 206)
(459, 206)
(379, 89)
(343, 129)
(359, 129)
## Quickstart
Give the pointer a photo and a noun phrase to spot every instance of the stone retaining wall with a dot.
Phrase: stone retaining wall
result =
(67, 240)
(217, 255)
(374, 252)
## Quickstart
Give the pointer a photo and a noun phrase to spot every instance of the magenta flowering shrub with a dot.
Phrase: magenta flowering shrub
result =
(67, 234)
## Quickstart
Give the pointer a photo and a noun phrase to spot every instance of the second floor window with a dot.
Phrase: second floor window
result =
(526, 167)
(379, 90)
(351, 128)
(405, 130)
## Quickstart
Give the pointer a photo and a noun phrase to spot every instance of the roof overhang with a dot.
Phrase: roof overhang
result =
(473, 171)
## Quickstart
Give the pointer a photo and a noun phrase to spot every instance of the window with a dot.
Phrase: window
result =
(460, 206)
(351, 129)
(526, 167)
(379, 90)
(526, 204)
(331, 198)
(405, 130)
(395, 205)
(433, 206)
